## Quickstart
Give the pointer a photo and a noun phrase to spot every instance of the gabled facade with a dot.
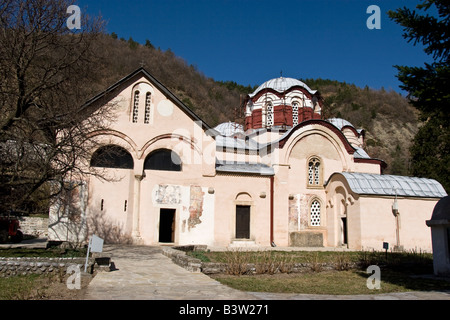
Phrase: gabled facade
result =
(167, 177)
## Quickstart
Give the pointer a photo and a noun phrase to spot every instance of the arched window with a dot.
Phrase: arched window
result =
(315, 213)
(148, 100)
(136, 106)
(295, 107)
(269, 114)
(112, 157)
(163, 159)
(314, 172)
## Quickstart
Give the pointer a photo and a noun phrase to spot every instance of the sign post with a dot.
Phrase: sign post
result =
(386, 247)
(95, 245)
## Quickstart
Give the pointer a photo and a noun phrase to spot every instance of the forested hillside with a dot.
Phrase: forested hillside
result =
(213, 101)
(390, 122)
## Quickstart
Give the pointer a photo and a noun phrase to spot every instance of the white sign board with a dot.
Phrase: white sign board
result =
(96, 244)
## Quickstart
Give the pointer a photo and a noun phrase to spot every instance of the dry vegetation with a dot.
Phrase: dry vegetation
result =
(322, 272)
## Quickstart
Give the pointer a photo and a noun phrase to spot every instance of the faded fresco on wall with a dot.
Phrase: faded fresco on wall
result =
(167, 194)
(294, 213)
(195, 206)
(299, 212)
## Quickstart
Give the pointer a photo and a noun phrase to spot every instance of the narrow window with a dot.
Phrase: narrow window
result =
(314, 172)
(315, 213)
(148, 100)
(269, 114)
(136, 106)
(295, 113)
(101, 205)
(125, 206)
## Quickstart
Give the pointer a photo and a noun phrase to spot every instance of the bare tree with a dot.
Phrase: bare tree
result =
(46, 73)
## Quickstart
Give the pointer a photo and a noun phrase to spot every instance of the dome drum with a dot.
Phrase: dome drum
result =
(281, 102)
(282, 116)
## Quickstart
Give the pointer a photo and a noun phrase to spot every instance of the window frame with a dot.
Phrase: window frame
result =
(135, 106)
(317, 173)
(169, 168)
(148, 105)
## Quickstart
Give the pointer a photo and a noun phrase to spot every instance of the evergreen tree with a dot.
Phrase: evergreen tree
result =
(429, 87)
(133, 44)
(148, 44)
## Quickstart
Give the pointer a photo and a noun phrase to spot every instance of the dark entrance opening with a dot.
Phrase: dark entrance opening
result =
(344, 231)
(242, 222)
(166, 225)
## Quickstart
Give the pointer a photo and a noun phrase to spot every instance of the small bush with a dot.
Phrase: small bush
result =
(237, 262)
(315, 263)
(342, 262)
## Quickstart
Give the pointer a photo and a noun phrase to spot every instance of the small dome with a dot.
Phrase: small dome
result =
(340, 123)
(229, 128)
(282, 84)
(442, 209)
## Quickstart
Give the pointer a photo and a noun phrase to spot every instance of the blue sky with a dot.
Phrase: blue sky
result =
(251, 41)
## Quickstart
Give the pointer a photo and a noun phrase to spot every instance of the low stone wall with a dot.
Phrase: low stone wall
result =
(178, 256)
(181, 259)
(251, 268)
(23, 266)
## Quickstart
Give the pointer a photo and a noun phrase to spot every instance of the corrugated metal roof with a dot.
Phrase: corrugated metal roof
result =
(236, 143)
(391, 185)
(361, 154)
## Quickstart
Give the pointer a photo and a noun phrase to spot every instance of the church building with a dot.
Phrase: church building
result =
(286, 177)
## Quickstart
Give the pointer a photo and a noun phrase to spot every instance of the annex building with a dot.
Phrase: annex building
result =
(288, 177)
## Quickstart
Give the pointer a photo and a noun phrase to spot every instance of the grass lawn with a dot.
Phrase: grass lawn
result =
(330, 282)
(41, 287)
(17, 288)
(400, 272)
(44, 286)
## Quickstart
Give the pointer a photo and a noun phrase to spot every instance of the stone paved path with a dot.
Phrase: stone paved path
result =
(144, 273)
